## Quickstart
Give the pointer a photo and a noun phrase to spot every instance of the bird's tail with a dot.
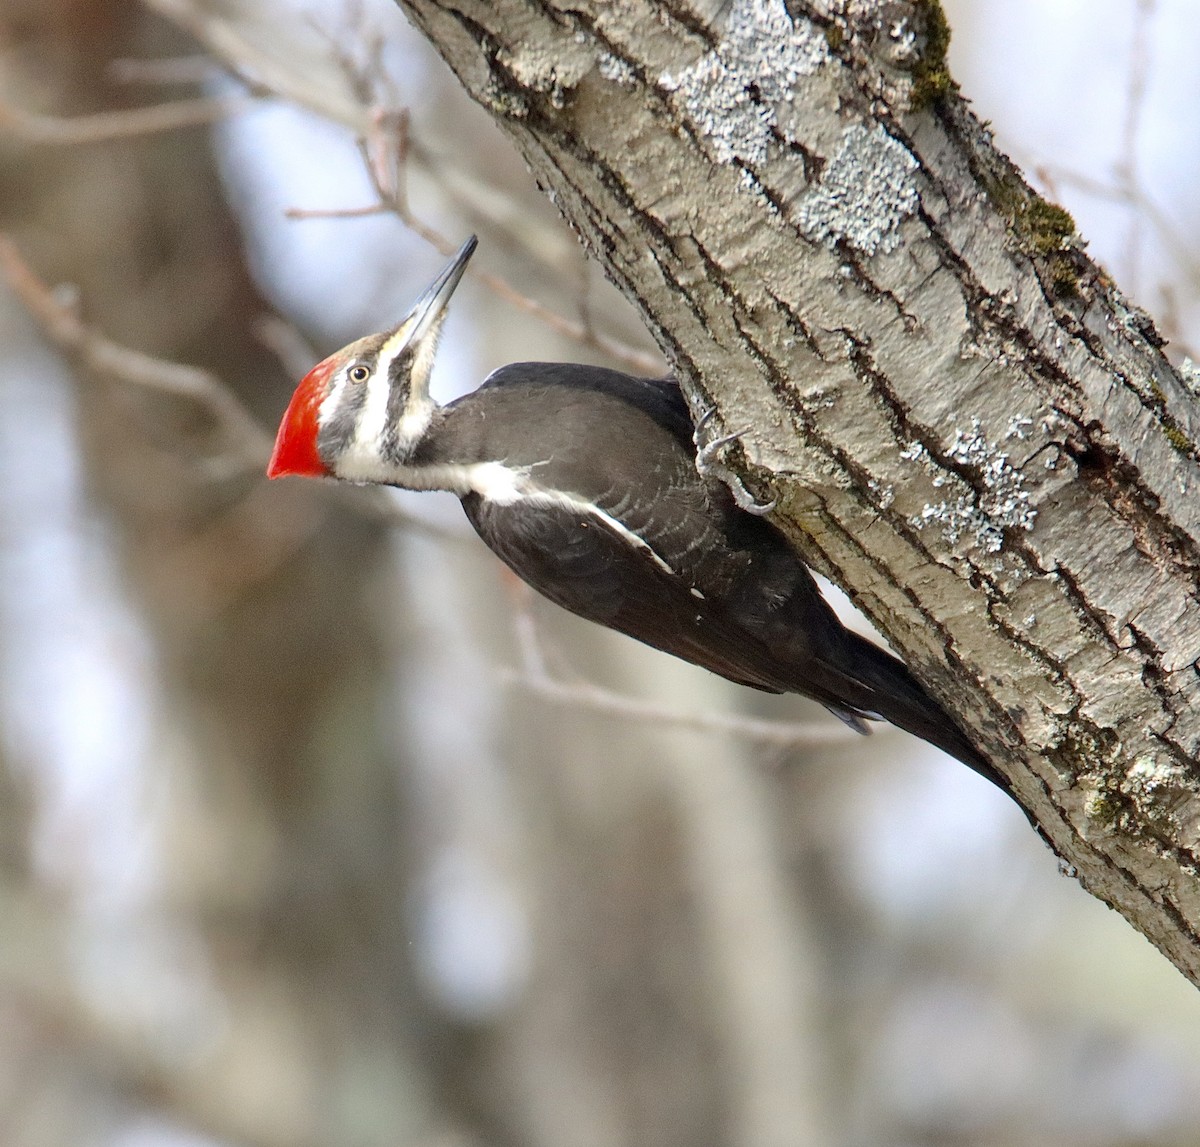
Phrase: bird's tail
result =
(901, 700)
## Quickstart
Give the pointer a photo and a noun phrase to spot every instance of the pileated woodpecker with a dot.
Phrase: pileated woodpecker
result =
(585, 481)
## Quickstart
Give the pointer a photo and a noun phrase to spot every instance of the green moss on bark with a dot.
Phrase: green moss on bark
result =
(931, 74)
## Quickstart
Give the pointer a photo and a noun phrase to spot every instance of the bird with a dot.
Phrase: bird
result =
(598, 490)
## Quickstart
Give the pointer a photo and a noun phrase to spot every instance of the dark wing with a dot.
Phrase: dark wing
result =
(713, 585)
(582, 564)
(579, 562)
(659, 399)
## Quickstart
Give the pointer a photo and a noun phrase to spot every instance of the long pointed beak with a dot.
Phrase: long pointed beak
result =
(428, 309)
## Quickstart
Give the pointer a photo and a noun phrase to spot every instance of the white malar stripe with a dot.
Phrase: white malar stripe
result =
(414, 422)
(363, 459)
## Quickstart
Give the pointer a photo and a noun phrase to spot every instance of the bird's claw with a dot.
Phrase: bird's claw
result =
(706, 454)
(709, 465)
(701, 423)
(745, 500)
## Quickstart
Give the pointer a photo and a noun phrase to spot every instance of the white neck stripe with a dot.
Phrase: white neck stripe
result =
(494, 482)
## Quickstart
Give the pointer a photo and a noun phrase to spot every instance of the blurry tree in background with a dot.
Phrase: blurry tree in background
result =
(288, 856)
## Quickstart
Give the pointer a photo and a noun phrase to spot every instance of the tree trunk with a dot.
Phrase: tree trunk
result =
(958, 416)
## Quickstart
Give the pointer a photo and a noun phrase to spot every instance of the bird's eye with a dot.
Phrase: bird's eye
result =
(359, 373)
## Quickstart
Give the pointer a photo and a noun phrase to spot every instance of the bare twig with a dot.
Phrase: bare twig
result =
(260, 70)
(534, 677)
(287, 77)
(247, 444)
(294, 352)
(1126, 169)
(173, 70)
(337, 212)
(102, 127)
(384, 133)
(248, 441)
(605, 701)
(385, 151)
(580, 332)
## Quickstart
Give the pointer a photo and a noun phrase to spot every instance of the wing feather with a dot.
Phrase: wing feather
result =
(580, 562)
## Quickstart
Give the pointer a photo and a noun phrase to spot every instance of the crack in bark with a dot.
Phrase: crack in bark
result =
(1159, 539)
(907, 429)
(687, 19)
(1117, 482)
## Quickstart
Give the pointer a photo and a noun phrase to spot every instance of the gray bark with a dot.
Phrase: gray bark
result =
(960, 418)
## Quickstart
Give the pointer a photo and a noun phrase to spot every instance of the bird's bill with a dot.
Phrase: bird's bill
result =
(296, 443)
(428, 310)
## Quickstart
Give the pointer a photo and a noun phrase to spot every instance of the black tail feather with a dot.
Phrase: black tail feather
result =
(902, 701)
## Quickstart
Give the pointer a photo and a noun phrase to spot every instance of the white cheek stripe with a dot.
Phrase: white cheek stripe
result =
(373, 417)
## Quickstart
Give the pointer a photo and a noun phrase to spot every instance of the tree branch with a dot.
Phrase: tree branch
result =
(351, 97)
(962, 420)
(534, 676)
(102, 127)
(245, 445)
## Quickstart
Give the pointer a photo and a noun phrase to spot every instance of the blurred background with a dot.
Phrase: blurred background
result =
(315, 829)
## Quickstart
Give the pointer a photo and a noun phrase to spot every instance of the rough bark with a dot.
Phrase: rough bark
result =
(960, 418)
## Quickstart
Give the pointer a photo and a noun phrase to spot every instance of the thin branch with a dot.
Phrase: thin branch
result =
(287, 78)
(640, 361)
(385, 139)
(581, 332)
(534, 677)
(102, 127)
(248, 445)
(62, 323)
(1126, 169)
(293, 351)
(605, 701)
(385, 152)
(303, 213)
(259, 70)
(173, 70)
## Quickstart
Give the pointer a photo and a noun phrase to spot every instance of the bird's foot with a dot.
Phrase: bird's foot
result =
(709, 464)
